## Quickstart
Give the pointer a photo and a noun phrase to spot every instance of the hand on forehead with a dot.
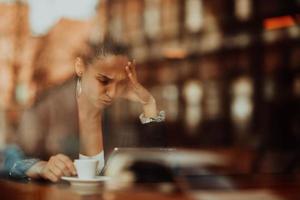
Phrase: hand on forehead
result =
(112, 66)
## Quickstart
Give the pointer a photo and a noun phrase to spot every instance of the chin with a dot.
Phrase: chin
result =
(102, 104)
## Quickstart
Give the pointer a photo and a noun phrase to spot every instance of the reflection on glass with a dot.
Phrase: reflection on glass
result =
(241, 107)
(193, 94)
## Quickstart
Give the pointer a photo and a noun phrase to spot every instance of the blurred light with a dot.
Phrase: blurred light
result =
(194, 15)
(243, 9)
(152, 18)
(193, 92)
(241, 107)
(242, 87)
(175, 53)
(22, 93)
(294, 32)
(278, 22)
(210, 42)
(170, 92)
(193, 115)
(270, 36)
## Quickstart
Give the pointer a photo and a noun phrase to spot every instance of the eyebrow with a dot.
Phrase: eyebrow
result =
(105, 76)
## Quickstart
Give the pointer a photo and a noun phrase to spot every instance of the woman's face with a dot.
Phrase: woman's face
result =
(104, 80)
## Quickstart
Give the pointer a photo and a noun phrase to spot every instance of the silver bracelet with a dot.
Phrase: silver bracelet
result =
(159, 118)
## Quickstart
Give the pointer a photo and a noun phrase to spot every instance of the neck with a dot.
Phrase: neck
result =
(90, 126)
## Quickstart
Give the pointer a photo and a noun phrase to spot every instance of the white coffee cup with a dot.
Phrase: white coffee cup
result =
(86, 168)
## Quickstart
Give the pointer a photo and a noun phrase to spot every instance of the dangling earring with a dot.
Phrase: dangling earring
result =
(78, 87)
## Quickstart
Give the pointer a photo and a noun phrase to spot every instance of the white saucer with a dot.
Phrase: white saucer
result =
(84, 182)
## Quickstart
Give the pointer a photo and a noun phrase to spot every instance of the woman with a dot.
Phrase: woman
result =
(101, 80)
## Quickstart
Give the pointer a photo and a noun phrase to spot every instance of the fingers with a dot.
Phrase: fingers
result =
(134, 67)
(131, 73)
(63, 168)
(67, 163)
(48, 174)
(56, 171)
(57, 166)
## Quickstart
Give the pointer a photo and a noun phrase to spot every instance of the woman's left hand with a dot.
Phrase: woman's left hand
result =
(134, 91)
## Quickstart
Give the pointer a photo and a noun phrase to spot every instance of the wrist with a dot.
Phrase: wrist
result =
(36, 170)
(150, 108)
(159, 118)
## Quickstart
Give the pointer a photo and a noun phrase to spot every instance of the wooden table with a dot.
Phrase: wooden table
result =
(46, 191)
(233, 187)
(248, 187)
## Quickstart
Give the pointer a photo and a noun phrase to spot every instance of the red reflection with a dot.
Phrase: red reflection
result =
(278, 22)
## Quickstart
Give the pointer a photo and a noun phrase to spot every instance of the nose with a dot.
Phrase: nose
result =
(111, 90)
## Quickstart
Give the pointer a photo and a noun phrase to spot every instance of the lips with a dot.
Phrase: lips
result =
(106, 101)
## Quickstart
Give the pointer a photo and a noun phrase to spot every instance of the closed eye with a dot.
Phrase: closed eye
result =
(103, 79)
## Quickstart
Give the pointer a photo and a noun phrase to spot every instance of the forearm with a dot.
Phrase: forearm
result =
(21, 168)
(15, 162)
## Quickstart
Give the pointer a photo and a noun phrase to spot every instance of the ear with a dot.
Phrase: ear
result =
(79, 67)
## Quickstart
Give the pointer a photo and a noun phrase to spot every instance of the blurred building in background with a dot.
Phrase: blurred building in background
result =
(225, 71)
